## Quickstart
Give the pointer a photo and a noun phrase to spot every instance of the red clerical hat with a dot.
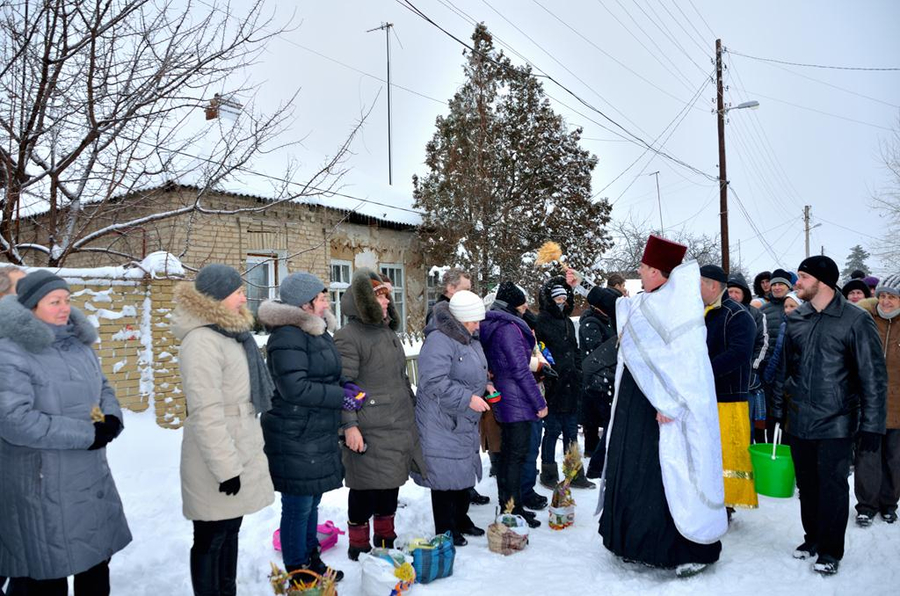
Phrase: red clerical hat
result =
(663, 254)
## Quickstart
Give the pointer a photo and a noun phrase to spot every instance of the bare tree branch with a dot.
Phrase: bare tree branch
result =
(98, 100)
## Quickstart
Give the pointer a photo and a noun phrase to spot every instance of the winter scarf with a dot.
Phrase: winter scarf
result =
(885, 315)
(261, 385)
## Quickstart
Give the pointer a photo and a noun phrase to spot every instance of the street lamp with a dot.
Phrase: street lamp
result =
(721, 110)
(747, 104)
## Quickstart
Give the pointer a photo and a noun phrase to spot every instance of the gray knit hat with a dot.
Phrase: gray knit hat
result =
(300, 288)
(218, 281)
(36, 285)
(889, 285)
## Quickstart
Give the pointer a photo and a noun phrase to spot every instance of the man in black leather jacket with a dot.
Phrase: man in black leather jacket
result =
(831, 383)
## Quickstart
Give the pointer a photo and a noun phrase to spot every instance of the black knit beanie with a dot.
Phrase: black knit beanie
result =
(822, 268)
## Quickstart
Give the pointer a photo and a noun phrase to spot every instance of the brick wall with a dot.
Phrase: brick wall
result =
(137, 352)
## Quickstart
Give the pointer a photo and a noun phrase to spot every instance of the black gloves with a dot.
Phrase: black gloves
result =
(869, 442)
(548, 372)
(106, 431)
(231, 487)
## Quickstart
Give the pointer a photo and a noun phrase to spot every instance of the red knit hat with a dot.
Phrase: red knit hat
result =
(663, 254)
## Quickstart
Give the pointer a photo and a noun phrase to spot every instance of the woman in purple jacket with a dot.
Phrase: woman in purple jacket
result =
(508, 343)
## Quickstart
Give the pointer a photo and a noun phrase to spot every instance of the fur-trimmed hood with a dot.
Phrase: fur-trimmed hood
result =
(443, 320)
(23, 328)
(193, 309)
(274, 313)
(360, 302)
(546, 301)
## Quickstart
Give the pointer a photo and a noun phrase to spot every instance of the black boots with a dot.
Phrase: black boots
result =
(581, 482)
(549, 475)
(317, 565)
(214, 558)
(476, 498)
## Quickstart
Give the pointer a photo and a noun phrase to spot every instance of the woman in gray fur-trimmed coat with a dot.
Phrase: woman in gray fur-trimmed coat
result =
(382, 443)
(449, 403)
(60, 512)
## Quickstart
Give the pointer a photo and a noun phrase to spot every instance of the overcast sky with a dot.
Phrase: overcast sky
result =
(813, 141)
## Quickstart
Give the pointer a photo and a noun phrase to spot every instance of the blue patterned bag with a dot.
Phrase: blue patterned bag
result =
(433, 559)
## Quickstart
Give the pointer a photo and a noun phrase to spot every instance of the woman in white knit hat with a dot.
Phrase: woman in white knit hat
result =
(449, 403)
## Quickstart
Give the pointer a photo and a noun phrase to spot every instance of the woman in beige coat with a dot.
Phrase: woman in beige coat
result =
(224, 473)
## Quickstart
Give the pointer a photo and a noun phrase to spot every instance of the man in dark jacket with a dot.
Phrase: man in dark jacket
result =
(831, 381)
(730, 335)
(597, 325)
(779, 287)
(556, 330)
(739, 291)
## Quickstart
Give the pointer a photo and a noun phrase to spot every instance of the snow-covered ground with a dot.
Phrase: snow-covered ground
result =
(756, 555)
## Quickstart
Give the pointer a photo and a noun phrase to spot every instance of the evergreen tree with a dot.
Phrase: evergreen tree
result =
(505, 175)
(856, 260)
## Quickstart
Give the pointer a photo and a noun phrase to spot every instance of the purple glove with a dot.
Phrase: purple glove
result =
(354, 397)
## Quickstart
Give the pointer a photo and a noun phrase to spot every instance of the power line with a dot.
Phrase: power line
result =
(691, 23)
(855, 231)
(608, 55)
(700, 14)
(838, 87)
(753, 225)
(661, 25)
(638, 140)
(682, 114)
(650, 38)
(652, 54)
(769, 150)
(863, 68)
(364, 73)
(564, 67)
(824, 113)
(712, 196)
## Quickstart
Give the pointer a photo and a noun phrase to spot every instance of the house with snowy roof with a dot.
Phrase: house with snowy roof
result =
(267, 228)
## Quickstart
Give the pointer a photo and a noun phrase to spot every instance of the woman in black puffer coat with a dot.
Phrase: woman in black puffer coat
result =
(301, 429)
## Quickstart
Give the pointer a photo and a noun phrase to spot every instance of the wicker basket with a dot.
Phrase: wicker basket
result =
(304, 582)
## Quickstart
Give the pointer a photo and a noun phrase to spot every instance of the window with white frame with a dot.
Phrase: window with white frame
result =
(262, 278)
(338, 284)
(395, 272)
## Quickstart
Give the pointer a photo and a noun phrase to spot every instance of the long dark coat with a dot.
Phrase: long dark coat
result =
(301, 429)
(373, 358)
(556, 330)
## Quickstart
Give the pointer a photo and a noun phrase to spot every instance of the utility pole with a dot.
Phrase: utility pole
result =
(723, 179)
(807, 227)
(658, 201)
(387, 38)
